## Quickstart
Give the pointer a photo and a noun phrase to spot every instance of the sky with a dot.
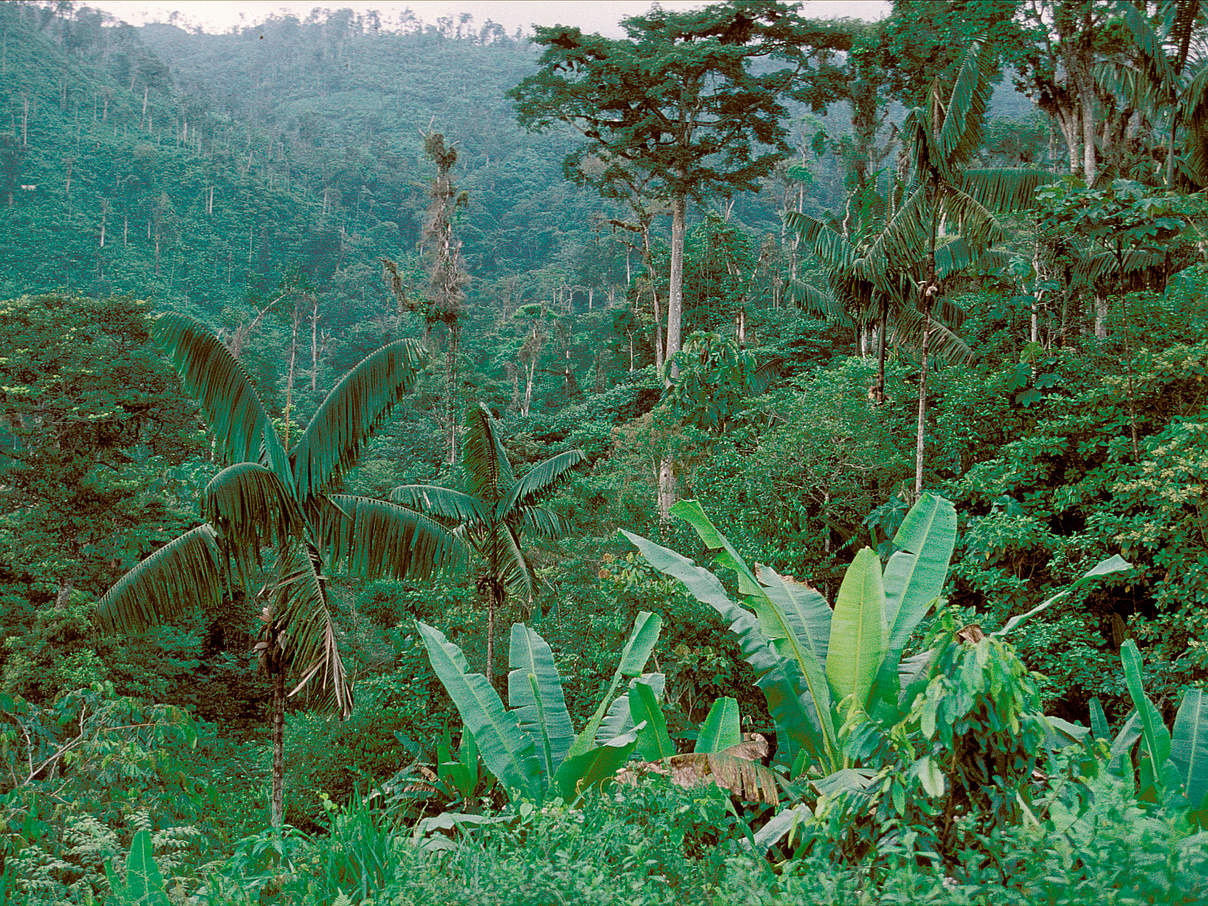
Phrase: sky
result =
(590, 15)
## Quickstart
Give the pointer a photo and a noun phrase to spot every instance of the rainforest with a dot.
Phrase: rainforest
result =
(741, 456)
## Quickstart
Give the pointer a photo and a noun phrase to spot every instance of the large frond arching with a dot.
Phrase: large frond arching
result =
(236, 416)
(544, 477)
(374, 539)
(943, 343)
(356, 406)
(302, 614)
(184, 574)
(441, 503)
(1004, 190)
(251, 509)
(540, 522)
(965, 113)
(489, 473)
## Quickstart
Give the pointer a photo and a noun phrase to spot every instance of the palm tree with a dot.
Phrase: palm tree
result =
(495, 512)
(266, 498)
(944, 192)
(853, 290)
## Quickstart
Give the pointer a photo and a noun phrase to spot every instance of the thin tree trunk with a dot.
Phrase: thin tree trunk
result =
(1100, 316)
(929, 290)
(451, 391)
(666, 489)
(675, 301)
(314, 344)
(278, 719)
(878, 392)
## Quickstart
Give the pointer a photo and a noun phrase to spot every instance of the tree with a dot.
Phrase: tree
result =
(447, 276)
(495, 512)
(266, 498)
(677, 100)
(940, 140)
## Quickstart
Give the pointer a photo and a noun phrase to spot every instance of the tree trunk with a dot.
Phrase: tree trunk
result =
(666, 489)
(675, 301)
(1100, 316)
(314, 344)
(451, 391)
(878, 392)
(278, 720)
(929, 291)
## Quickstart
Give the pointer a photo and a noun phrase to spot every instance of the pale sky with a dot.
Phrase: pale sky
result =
(590, 15)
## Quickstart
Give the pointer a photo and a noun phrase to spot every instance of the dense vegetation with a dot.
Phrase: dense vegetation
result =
(439, 465)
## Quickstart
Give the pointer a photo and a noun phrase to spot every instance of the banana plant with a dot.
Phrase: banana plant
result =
(824, 672)
(531, 745)
(1172, 763)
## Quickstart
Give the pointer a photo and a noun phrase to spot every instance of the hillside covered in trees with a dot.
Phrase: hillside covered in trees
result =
(757, 458)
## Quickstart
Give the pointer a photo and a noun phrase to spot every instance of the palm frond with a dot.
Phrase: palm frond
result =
(236, 417)
(1004, 190)
(965, 113)
(184, 574)
(1193, 103)
(539, 522)
(826, 244)
(819, 300)
(374, 539)
(251, 509)
(353, 410)
(905, 237)
(1152, 51)
(302, 615)
(484, 458)
(943, 343)
(515, 569)
(441, 503)
(544, 477)
(1103, 265)
(976, 224)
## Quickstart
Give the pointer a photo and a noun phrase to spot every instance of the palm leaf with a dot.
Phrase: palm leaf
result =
(1004, 189)
(544, 476)
(539, 522)
(374, 539)
(908, 327)
(252, 510)
(236, 417)
(442, 503)
(301, 611)
(485, 459)
(184, 574)
(353, 410)
(965, 113)
(821, 301)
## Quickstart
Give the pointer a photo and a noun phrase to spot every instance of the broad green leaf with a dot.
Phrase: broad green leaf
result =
(635, 654)
(800, 705)
(1153, 729)
(1189, 747)
(915, 575)
(535, 696)
(653, 742)
(805, 610)
(1099, 727)
(144, 883)
(594, 766)
(505, 749)
(721, 729)
(858, 631)
(619, 719)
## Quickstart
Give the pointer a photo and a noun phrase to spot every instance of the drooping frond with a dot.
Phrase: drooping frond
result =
(441, 503)
(374, 539)
(544, 477)
(905, 237)
(826, 244)
(965, 113)
(485, 460)
(908, 331)
(540, 522)
(976, 224)
(214, 377)
(1152, 51)
(184, 574)
(819, 300)
(953, 258)
(514, 568)
(1104, 265)
(356, 406)
(301, 613)
(251, 509)
(1004, 190)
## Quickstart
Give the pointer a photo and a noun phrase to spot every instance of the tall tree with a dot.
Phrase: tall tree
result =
(447, 278)
(943, 194)
(267, 498)
(689, 100)
(495, 512)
